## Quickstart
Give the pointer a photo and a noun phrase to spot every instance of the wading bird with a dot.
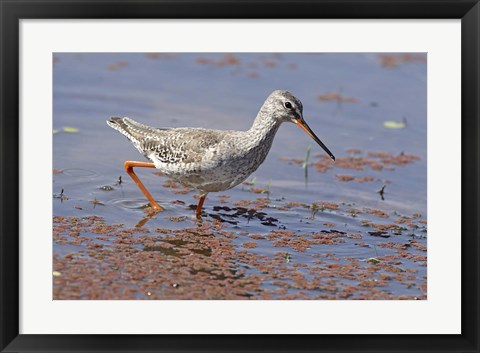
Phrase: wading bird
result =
(211, 160)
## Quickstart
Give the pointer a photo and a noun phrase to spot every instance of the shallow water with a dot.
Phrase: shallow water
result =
(225, 92)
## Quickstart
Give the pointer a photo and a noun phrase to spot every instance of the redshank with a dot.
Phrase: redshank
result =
(211, 160)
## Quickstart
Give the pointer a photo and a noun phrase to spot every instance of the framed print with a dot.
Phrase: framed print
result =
(233, 176)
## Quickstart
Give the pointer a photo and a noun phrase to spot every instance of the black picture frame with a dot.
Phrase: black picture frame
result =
(12, 11)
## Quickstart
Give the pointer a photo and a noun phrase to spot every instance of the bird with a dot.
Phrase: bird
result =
(210, 160)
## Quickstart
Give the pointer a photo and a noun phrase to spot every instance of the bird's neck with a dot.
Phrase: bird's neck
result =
(263, 130)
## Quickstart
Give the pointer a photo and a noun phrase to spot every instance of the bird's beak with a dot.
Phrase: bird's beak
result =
(304, 126)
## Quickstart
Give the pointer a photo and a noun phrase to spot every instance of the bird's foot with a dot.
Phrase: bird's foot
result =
(156, 207)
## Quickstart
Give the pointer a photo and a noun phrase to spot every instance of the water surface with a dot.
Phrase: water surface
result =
(280, 236)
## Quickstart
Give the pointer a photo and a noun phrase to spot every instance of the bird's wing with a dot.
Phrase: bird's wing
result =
(182, 145)
(168, 145)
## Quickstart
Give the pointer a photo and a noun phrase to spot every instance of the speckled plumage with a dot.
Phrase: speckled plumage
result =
(212, 160)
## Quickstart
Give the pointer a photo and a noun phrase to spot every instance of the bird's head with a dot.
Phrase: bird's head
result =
(285, 107)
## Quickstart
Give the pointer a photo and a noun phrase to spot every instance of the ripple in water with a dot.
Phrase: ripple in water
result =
(79, 172)
(129, 204)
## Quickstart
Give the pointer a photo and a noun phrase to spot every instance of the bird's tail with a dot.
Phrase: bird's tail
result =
(134, 131)
(126, 127)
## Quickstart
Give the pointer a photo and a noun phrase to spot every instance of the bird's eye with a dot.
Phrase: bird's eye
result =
(288, 105)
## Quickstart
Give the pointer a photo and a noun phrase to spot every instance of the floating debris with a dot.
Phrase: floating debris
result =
(117, 66)
(358, 180)
(214, 261)
(95, 202)
(336, 97)
(394, 125)
(61, 196)
(315, 208)
(394, 60)
(382, 192)
(250, 183)
(178, 218)
(70, 130)
(249, 245)
(381, 234)
(226, 60)
(305, 164)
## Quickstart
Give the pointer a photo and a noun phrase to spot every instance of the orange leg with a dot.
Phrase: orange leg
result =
(129, 168)
(200, 205)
